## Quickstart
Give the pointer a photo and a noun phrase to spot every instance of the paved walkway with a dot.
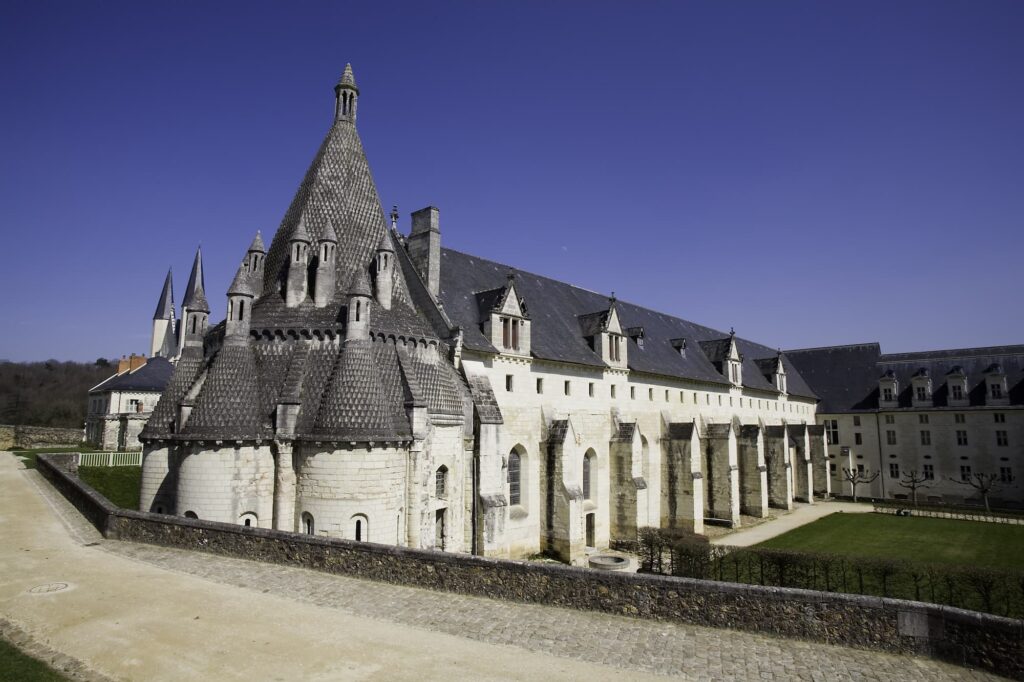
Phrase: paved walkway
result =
(801, 515)
(138, 612)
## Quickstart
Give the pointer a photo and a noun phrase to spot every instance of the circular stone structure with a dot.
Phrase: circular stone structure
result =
(608, 562)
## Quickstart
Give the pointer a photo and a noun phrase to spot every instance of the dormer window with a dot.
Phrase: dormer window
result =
(510, 332)
(995, 383)
(922, 382)
(888, 389)
(957, 391)
(615, 348)
(504, 319)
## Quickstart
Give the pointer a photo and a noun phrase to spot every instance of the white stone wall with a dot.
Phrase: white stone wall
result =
(340, 486)
(650, 401)
(158, 487)
(224, 483)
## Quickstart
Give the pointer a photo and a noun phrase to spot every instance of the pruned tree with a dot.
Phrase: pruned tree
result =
(985, 484)
(856, 477)
(913, 481)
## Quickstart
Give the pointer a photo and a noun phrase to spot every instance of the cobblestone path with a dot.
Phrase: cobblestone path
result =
(684, 651)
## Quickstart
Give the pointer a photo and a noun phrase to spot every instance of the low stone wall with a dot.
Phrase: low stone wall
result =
(963, 637)
(13, 436)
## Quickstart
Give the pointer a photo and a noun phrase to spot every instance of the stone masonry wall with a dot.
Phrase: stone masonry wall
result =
(14, 436)
(955, 635)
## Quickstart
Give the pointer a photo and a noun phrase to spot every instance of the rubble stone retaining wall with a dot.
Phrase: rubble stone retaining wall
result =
(14, 436)
(955, 635)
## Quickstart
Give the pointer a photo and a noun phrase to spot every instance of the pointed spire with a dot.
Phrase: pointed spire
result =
(195, 290)
(360, 285)
(347, 77)
(385, 243)
(165, 306)
(394, 217)
(241, 285)
(329, 234)
(301, 234)
(257, 244)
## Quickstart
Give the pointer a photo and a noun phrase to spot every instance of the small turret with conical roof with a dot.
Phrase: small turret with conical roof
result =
(240, 298)
(326, 267)
(195, 310)
(254, 259)
(385, 266)
(297, 285)
(359, 296)
(346, 96)
(164, 342)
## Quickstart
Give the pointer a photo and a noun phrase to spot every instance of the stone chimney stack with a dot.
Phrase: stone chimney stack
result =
(254, 261)
(297, 285)
(359, 297)
(385, 265)
(240, 298)
(326, 267)
(425, 247)
(135, 361)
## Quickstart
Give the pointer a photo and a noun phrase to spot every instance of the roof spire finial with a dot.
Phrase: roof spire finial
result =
(732, 332)
(346, 96)
(394, 217)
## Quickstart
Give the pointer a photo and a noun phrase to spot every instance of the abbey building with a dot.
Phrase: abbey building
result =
(374, 385)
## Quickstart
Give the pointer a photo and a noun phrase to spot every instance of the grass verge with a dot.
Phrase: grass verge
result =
(120, 485)
(15, 665)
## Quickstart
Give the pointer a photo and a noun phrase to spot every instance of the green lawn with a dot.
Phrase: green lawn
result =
(947, 541)
(15, 665)
(120, 485)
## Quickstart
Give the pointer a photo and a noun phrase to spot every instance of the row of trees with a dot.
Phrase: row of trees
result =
(50, 393)
(686, 555)
(983, 482)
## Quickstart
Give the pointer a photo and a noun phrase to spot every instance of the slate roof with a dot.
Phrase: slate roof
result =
(165, 306)
(563, 314)
(227, 407)
(186, 371)
(846, 377)
(152, 376)
(195, 290)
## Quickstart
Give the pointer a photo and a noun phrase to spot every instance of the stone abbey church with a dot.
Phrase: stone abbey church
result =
(372, 385)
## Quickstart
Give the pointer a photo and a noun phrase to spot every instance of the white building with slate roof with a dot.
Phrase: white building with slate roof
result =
(375, 386)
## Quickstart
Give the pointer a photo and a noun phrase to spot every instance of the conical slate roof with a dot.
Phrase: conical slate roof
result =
(241, 285)
(257, 243)
(385, 243)
(338, 190)
(195, 290)
(347, 77)
(329, 235)
(360, 285)
(165, 306)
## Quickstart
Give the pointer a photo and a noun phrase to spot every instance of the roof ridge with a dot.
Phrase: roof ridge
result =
(952, 353)
(844, 345)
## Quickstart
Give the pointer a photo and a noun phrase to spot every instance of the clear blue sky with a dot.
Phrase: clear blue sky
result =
(810, 173)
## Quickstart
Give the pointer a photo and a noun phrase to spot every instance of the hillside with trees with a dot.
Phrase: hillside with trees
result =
(50, 393)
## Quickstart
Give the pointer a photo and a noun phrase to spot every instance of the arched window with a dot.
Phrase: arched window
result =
(191, 515)
(360, 528)
(241, 310)
(441, 481)
(159, 509)
(515, 495)
(307, 523)
(359, 310)
(588, 466)
(194, 323)
(248, 519)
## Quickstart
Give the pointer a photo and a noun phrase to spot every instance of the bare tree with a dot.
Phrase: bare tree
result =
(913, 481)
(985, 484)
(857, 477)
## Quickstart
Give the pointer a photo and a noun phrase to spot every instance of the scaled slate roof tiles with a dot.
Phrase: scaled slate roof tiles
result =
(227, 407)
(186, 371)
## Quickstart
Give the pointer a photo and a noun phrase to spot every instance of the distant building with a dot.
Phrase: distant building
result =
(120, 405)
(947, 414)
(371, 385)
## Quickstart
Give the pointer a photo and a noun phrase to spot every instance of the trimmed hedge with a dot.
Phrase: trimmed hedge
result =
(686, 555)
